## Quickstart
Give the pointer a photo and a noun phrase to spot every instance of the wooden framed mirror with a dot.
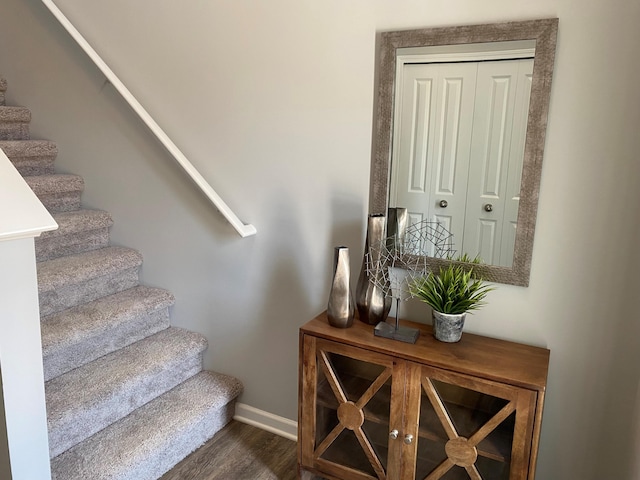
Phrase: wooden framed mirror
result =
(487, 162)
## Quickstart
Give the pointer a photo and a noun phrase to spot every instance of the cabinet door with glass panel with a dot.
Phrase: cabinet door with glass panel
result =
(350, 397)
(466, 427)
(367, 415)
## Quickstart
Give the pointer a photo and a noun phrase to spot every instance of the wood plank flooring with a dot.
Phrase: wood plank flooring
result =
(239, 452)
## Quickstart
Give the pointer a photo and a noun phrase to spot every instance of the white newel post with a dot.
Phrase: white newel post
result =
(22, 218)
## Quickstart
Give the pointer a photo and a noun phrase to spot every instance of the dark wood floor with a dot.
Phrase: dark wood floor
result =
(239, 452)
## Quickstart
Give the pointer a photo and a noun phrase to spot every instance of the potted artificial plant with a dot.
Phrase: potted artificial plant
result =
(451, 292)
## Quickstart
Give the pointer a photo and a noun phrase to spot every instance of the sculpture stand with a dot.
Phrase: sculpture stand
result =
(396, 332)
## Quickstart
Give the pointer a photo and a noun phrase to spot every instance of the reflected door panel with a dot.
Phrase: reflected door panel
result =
(497, 152)
(432, 145)
(458, 150)
(514, 175)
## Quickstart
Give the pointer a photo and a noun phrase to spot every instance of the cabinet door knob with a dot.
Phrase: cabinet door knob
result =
(488, 207)
(408, 439)
(444, 203)
(393, 434)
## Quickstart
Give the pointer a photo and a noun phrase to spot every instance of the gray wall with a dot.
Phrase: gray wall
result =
(273, 102)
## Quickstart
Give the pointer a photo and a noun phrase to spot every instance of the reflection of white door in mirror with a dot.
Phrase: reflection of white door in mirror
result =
(499, 128)
(432, 143)
(458, 145)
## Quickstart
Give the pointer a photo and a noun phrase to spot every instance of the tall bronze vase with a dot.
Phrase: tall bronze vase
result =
(341, 308)
(373, 285)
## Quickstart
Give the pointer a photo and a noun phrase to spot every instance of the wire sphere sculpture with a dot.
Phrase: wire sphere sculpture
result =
(395, 263)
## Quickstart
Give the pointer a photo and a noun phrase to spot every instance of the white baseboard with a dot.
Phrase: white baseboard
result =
(266, 421)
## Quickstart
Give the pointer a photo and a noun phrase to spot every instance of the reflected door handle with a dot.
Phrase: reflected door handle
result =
(488, 207)
(444, 203)
(393, 434)
(408, 439)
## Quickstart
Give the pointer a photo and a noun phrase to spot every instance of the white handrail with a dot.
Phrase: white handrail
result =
(243, 229)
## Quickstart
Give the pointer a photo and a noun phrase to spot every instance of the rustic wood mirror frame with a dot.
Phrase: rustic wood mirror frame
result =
(544, 33)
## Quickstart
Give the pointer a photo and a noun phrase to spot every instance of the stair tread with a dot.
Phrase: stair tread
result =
(54, 183)
(28, 148)
(78, 221)
(152, 439)
(95, 315)
(14, 114)
(86, 400)
(80, 328)
(74, 269)
(78, 231)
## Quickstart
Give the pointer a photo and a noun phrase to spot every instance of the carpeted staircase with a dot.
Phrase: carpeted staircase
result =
(126, 394)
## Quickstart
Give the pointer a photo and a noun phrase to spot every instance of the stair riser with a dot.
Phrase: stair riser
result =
(59, 246)
(179, 446)
(29, 166)
(31, 157)
(62, 201)
(177, 449)
(68, 296)
(80, 425)
(76, 355)
(3, 89)
(14, 131)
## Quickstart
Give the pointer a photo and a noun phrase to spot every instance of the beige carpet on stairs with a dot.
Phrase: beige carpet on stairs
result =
(126, 394)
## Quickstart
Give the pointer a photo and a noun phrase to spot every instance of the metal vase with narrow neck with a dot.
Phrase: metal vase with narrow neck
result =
(373, 285)
(341, 308)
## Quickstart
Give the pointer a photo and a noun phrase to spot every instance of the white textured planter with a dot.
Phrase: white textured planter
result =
(448, 327)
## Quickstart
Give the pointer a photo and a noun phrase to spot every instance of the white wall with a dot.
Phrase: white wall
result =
(5, 466)
(273, 102)
(24, 419)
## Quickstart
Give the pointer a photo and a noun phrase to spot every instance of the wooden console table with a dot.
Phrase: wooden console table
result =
(371, 408)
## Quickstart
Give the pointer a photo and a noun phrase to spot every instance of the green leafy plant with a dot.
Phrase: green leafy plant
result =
(454, 289)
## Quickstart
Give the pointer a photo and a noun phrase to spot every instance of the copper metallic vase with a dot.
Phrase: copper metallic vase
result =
(341, 307)
(371, 292)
